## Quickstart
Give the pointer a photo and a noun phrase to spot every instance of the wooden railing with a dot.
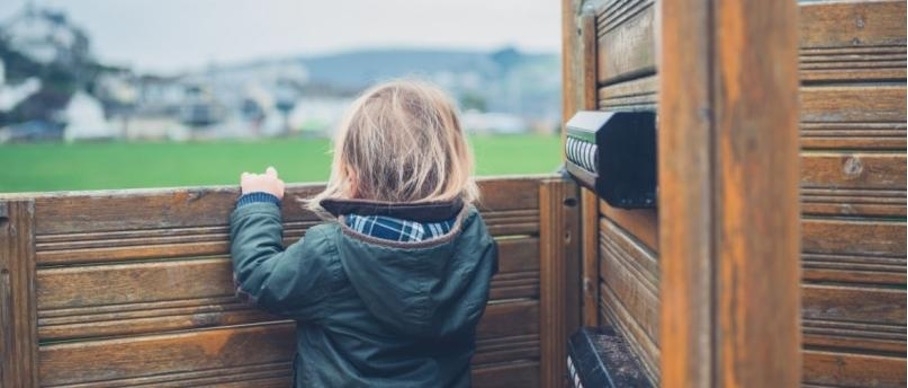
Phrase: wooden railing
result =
(127, 288)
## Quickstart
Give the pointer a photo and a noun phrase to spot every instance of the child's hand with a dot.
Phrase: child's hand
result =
(263, 183)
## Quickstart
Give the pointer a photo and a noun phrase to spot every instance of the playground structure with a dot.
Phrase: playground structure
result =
(775, 255)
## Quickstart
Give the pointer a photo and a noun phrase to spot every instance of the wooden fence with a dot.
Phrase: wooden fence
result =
(134, 288)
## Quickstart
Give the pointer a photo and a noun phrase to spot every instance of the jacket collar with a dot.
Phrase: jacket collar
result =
(419, 212)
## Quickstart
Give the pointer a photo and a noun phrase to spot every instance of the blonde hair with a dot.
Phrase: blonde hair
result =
(400, 142)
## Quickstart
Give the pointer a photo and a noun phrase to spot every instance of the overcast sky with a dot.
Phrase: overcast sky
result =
(169, 35)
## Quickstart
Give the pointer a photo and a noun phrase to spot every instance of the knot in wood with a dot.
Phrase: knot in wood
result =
(853, 166)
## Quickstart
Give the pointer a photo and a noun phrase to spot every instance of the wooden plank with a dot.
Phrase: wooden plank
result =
(642, 260)
(590, 255)
(853, 370)
(114, 246)
(131, 299)
(854, 304)
(628, 50)
(18, 317)
(509, 318)
(853, 40)
(834, 201)
(628, 283)
(852, 24)
(854, 64)
(613, 13)
(858, 170)
(633, 95)
(854, 237)
(122, 359)
(506, 375)
(587, 59)
(180, 354)
(728, 163)
(685, 170)
(571, 72)
(506, 349)
(861, 103)
(844, 268)
(133, 283)
(87, 212)
(559, 302)
(277, 374)
(757, 284)
(853, 136)
(643, 224)
(509, 193)
(641, 345)
(128, 210)
(518, 269)
(860, 337)
(93, 228)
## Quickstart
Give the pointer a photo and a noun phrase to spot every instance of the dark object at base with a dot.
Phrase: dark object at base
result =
(598, 357)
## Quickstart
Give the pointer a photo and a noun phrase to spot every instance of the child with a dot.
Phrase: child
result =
(389, 291)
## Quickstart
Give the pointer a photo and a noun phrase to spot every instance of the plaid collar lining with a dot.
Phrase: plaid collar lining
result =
(395, 229)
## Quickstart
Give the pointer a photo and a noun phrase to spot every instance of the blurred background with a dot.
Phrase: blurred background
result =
(113, 94)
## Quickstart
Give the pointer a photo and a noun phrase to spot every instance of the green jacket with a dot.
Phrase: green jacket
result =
(369, 312)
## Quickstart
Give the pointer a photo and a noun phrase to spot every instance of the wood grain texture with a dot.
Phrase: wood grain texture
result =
(573, 62)
(627, 45)
(686, 216)
(729, 162)
(854, 237)
(859, 103)
(852, 24)
(853, 268)
(853, 370)
(559, 276)
(629, 273)
(757, 284)
(162, 290)
(643, 224)
(175, 354)
(853, 192)
(589, 211)
(854, 318)
(853, 40)
(506, 375)
(18, 338)
(589, 224)
(633, 95)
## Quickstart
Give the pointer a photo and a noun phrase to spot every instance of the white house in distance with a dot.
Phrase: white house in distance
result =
(84, 117)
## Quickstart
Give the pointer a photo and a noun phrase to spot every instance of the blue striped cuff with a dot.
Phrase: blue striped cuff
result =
(258, 197)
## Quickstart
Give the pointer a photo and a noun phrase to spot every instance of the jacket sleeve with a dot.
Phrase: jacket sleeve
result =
(293, 282)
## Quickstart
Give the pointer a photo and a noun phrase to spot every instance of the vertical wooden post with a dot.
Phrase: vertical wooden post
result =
(757, 233)
(18, 314)
(728, 195)
(580, 93)
(559, 272)
(589, 204)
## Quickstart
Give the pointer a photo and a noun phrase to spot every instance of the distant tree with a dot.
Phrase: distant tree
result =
(506, 58)
(473, 101)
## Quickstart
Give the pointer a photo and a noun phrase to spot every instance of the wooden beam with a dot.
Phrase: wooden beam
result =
(18, 316)
(685, 193)
(559, 283)
(729, 231)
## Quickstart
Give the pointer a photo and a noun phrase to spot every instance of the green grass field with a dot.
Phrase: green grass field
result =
(94, 166)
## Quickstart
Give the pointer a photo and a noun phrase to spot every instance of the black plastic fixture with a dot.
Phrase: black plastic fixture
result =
(614, 154)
